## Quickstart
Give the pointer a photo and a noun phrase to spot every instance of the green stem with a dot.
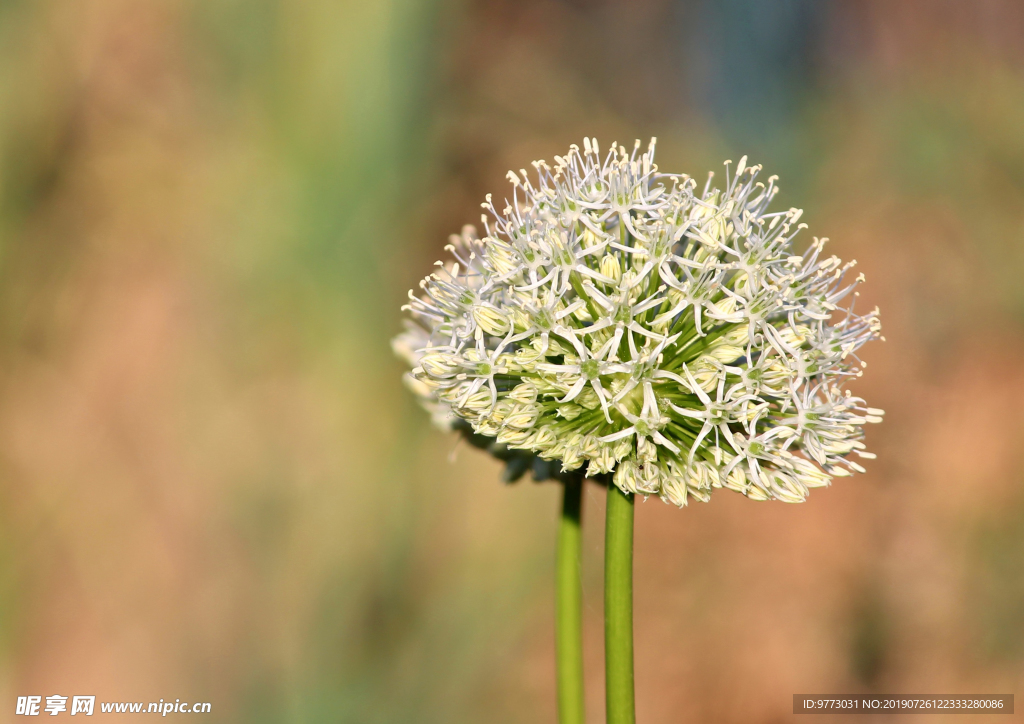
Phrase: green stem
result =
(569, 609)
(581, 292)
(618, 608)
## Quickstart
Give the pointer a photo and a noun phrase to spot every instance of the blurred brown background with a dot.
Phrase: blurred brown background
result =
(214, 487)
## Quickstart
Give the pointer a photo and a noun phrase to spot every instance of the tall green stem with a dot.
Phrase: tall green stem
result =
(618, 608)
(568, 609)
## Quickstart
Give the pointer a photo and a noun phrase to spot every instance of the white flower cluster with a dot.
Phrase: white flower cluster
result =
(614, 317)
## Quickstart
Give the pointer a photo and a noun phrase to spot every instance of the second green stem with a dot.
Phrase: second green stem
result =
(618, 608)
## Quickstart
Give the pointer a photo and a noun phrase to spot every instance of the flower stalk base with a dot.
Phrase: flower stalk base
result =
(569, 607)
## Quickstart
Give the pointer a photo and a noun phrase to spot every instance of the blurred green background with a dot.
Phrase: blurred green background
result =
(214, 486)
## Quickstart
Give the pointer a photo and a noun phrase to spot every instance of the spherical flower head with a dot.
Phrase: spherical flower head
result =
(620, 322)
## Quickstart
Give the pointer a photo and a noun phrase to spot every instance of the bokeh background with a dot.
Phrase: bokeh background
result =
(214, 486)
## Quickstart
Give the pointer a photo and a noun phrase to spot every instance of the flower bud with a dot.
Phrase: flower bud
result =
(610, 267)
(492, 321)
(525, 392)
(439, 364)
